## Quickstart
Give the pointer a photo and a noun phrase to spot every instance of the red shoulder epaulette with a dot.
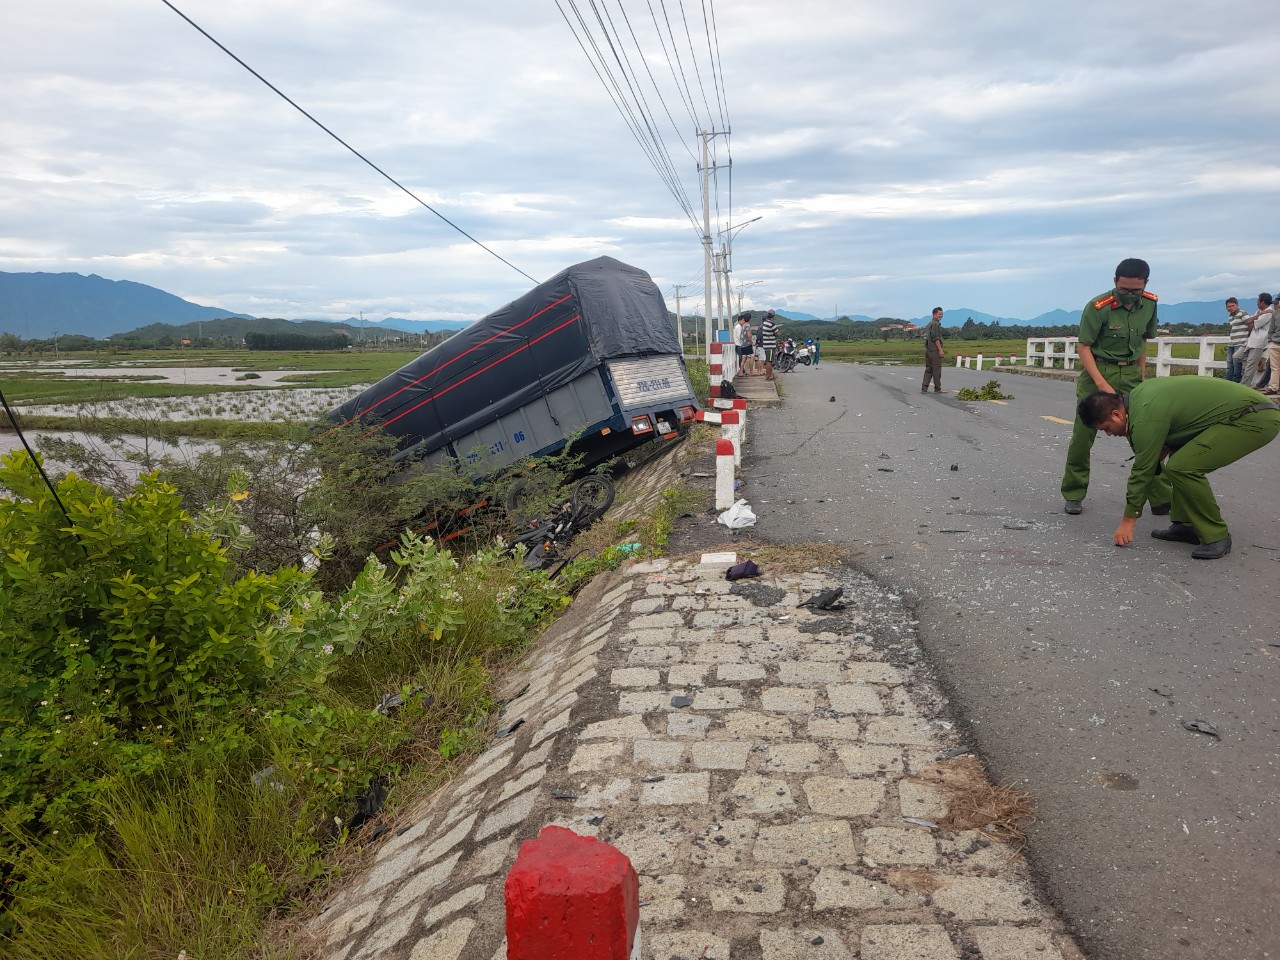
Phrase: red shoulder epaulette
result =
(1108, 301)
(1149, 295)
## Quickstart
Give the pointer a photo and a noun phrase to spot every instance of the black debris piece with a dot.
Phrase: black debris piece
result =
(595, 821)
(743, 570)
(955, 466)
(1200, 726)
(817, 941)
(826, 600)
(885, 469)
(1017, 526)
(1162, 691)
(563, 795)
(370, 802)
(682, 701)
(510, 728)
(656, 778)
(832, 400)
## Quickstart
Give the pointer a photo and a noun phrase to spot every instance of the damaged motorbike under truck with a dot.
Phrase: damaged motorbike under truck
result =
(590, 357)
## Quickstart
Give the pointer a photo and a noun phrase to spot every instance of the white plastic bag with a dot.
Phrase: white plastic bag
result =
(738, 516)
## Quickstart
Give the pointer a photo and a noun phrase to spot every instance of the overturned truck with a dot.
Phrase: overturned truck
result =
(590, 357)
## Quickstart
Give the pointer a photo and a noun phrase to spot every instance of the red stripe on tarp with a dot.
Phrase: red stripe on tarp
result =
(500, 333)
(435, 396)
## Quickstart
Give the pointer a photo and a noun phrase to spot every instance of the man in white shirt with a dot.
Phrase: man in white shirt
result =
(1254, 358)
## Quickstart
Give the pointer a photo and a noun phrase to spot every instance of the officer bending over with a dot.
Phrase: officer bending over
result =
(1200, 424)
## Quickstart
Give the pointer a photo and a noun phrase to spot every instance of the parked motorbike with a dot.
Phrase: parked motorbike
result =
(804, 354)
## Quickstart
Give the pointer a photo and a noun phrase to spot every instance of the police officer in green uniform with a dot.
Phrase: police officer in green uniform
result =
(1200, 424)
(1114, 329)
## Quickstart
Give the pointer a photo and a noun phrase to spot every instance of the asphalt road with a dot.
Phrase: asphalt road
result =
(1071, 663)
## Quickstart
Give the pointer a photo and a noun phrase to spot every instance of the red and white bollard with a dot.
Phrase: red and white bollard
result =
(724, 474)
(572, 896)
(715, 369)
(734, 423)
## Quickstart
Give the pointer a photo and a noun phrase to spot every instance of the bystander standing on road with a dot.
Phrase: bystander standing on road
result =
(1254, 357)
(1238, 332)
(742, 346)
(1272, 388)
(933, 353)
(769, 340)
(1200, 424)
(1114, 330)
(817, 350)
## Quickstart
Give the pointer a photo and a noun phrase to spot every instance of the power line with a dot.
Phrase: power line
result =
(344, 143)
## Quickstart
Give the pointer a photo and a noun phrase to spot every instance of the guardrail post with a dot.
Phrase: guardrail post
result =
(957, 361)
(734, 424)
(724, 474)
(572, 896)
(979, 361)
(715, 369)
(1207, 349)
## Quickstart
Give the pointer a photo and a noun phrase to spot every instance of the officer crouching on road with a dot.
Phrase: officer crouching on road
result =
(1200, 424)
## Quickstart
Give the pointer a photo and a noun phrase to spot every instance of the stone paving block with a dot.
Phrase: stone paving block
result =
(599, 795)
(1014, 943)
(869, 759)
(744, 635)
(854, 698)
(659, 655)
(763, 794)
(893, 846)
(649, 566)
(688, 603)
(965, 845)
(907, 941)
(803, 944)
(534, 758)
(821, 842)
(677, 789)
(746, 891)
(662, 754)
(986, 898)
(902, 703)
(520, 784)
(740, 672)
(661, 900)
(721, 755)
(459, 901)
(450, 840)
(748, 725)
(645, 701)
(842, 797)
(725, 844)
(687, 675)
(557, 724)
(619, 728)
(717, 653)
(904, 730)
(348, 922)
(834, 728)
(768, 652)
(919, 799)
(634, 677)
(714, 618)
(835, 889)
(597, 756)
(508, 816)
(789, 699)
(687, 725)
(718, 698)
(835, 651)
(801, 672)
(654, 621)
(794, 758)
(423, 882)
(446, 943)
(648, 605)
(651, 851)
(687, 943)
(491, 858)
(874, 672)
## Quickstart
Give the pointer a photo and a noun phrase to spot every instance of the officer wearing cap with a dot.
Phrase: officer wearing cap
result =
(1200, 424)
(1114, 329)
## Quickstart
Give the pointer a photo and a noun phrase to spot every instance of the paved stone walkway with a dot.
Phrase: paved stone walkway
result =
(756, 760)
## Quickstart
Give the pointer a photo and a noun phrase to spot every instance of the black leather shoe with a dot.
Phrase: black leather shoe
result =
(1177, 533)
(1161, 510)
(1213, 551)
(1075, 508)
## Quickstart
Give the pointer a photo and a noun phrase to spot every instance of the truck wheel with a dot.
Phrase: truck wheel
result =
(519, 500)
(593, 494)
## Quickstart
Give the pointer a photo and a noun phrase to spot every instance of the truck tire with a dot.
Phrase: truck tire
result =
(519, 500)
(592, 496)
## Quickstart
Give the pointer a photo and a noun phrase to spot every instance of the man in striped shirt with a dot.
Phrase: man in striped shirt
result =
(1239, 332)
(769, 338)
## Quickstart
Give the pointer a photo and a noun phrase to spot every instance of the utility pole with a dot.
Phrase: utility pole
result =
(705, 170)
(679, 327)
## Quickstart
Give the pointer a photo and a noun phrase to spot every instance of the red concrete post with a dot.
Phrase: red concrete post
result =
(571, 896)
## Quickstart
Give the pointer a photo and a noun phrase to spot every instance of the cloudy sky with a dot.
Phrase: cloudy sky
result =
(1000, 156)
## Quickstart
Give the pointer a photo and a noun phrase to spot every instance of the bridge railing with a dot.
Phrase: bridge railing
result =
(1046, 351)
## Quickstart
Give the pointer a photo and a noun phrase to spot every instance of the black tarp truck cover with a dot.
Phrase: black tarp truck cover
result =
(579, 356)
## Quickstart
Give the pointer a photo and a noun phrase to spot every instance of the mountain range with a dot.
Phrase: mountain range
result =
(36, 306)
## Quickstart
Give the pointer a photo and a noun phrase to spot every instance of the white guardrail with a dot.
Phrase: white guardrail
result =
(1045, 351)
